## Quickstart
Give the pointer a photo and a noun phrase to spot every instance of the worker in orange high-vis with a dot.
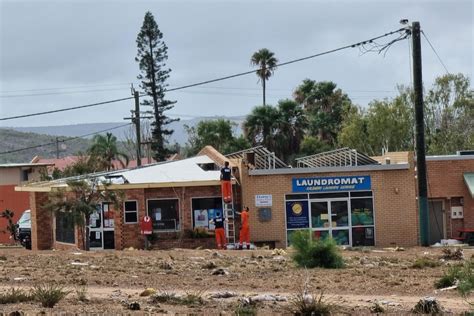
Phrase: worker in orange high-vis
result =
(226, 185)
(219, 231)
(244, 236)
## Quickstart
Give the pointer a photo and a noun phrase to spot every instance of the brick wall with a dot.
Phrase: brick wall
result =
(13, 201)
(446, 183)
(396, 220)
(41, 222)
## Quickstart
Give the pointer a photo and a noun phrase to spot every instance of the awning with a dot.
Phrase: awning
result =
(469, 179)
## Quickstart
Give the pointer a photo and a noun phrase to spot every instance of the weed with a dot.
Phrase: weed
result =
(425, 262)
(15, 296)
(163, 297)
(315, 253)
(246, 309)
(304, 303)
(449, 277)
(190, 298)
(81, 293)
(49, 294)
(427, 305)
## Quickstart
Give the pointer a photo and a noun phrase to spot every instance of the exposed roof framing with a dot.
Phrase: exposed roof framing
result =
(260, 157)
(336, 158)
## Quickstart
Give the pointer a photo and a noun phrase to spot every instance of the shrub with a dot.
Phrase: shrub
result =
(14, 296)
(449, 278)
(428, 305)
(425, 262)
(49, 294)
(450, 254)
(246, 309)
(376, 308)
(81, 293)
(190, 298)
(466, 278)
(315, 253)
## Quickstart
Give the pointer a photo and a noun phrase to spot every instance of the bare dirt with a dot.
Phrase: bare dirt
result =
(115, 279)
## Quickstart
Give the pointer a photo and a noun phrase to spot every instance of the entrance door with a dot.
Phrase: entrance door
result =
(331, 217)
(436, 219)
(101, 228)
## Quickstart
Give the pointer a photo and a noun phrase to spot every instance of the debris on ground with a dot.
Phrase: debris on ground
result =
(76, 263)
(427, 305)
(220, 271)
(224, 294)
(147, 292)
(452, 254)
(267, 298)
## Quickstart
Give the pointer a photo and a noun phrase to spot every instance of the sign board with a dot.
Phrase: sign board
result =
(146, 226)
(331, 184)
(297, 215)
(263, 200)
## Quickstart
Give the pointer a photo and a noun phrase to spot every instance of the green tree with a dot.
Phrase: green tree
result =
(152, 55)
(81, 199)
(449, 107)
(312, 145)
(11, 226)
(291, 125)
(354, 133)
(261, 126)
(104, 150)
(325, 106)
(217, 133)
(266, 61)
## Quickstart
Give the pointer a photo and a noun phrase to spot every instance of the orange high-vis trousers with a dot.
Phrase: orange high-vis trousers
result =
(226, 188)
(244, 236)
(220, 238)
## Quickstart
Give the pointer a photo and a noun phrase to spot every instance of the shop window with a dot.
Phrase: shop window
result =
(65, 228)
(363, 236)
(164, 214)
(361, 193)
(296, 196)
(362, 212)
(319, 214)
(323, 234)
(339, 214)
(205, 209)
(131, 212)
(341, 236)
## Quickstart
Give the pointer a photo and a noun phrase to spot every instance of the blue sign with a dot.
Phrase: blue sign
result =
(327, 184)
(297, 214)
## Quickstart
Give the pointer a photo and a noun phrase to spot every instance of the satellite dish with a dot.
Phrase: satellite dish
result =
(63, 146)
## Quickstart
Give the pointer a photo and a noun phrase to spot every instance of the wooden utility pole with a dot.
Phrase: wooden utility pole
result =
(136, 121)
(420, 136)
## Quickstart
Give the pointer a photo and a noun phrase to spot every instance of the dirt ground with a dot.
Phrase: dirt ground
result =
(117, 278)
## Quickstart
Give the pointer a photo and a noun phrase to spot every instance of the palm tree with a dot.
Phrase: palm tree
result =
(260, 126)
(267, 62)
(105, 150)
(292, 126)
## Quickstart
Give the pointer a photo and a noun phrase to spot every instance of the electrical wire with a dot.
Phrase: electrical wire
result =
(358, 44)
(436, 53)
(56, 93)
(64, 140)
(68, 87)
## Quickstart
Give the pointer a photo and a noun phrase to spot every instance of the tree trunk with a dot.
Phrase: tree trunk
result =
(263, 84)
(86, 234)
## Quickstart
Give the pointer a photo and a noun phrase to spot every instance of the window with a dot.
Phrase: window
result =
(205, 209)
(164, 214)
(24, 174)
(362, 212)
(131, 212)
(65, 228)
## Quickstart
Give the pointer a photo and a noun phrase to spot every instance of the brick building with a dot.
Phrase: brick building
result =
(358, 200)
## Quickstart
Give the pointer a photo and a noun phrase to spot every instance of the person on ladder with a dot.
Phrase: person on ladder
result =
(244, 235)
(226, 184)
(219, 231)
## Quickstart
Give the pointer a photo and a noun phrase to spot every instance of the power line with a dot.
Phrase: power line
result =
(65, 140)
(434, 50)
(67, 88)
(55, 93)
(63, 110)
(358, 44)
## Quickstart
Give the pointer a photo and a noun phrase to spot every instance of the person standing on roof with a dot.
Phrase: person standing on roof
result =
(226, 185)
(244, 236)
(219, 231)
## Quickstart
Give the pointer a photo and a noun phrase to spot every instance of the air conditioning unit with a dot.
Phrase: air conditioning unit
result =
(457, 212)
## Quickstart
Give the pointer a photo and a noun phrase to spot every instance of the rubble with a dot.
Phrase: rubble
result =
(220, 271)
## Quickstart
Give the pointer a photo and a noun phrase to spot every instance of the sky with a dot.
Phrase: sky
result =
(57, 54)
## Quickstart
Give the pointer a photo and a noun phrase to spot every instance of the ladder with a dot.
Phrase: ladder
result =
(230, 224)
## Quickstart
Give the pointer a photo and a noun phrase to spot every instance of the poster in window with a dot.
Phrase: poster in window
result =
(201, 218)
(158, 214)
(297, 215)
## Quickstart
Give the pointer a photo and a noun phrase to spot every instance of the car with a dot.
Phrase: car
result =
(24, 229)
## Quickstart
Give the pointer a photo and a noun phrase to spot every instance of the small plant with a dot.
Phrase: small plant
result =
(305, 303)
(449, 277)
(450, 254)
(49, 294)
(192, 298)
(245, 309)
(81, 293)
(315, 253)
(428, 305)
(163, 297)
(425, 262)
(11, 226)
(15, 296)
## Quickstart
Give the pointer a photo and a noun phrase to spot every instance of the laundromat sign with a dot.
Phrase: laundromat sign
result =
(326, 184)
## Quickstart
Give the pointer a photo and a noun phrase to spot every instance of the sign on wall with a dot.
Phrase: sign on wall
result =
(326, 184)
(263, 200)
(297, 214)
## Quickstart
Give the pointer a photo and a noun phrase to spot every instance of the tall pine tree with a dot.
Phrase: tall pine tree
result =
(152, 55)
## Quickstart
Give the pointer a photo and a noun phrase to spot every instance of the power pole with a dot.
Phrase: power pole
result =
(57, 147)
(420, 136)
(136, 121)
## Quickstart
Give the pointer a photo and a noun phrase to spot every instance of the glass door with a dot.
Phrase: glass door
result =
(101, 228)
(331, 218)
(95, 229)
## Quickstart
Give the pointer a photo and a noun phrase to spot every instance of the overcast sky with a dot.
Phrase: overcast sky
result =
(83, 52)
